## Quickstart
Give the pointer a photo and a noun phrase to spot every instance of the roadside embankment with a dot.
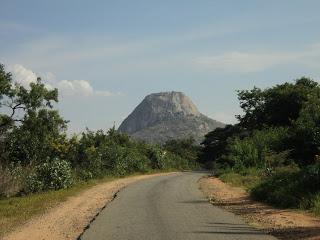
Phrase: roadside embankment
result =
(282, 223)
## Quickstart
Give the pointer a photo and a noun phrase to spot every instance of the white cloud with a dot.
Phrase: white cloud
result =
(22, 75)
(247, 62)
(82, 88)
(75, 87)
(25, 76)
(59, 51)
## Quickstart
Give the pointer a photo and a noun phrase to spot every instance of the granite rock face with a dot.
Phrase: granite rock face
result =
(167, 115)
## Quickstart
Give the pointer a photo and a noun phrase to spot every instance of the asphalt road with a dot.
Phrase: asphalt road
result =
(169, 208)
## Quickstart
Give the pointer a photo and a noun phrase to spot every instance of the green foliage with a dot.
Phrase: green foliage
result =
(5, 82)
(22, 102)
(306, 131)
(157, 158)
(130, 161)
(11, 179)
(247, 178)
(33, 139)
(290, 109)
(244, 154)
(279, 136)
(290, 187)
(173, 161)
(50, 175)
(276, 106)
(263, 149)
(316, 204)
(185, 149)
(28, 125)
(216, 142)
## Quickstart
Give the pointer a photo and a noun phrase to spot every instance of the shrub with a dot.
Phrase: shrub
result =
(290, 188)
(173, 161)
(278, 189)
(263, 149)
(127, 161)
(136, 161)
(244, 154)
(248, 178)
(50, 175)
(92, 166)
(11, 180)
(157, 158)
(316, 204)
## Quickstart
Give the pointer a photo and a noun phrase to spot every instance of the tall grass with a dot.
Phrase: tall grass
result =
(11, 180)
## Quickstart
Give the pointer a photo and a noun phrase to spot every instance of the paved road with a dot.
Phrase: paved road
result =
(167, 208)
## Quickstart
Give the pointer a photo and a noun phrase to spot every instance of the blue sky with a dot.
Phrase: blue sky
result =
(105, 56)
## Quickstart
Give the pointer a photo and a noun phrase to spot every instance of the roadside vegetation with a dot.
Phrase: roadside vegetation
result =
(41, 165)
(274, 149)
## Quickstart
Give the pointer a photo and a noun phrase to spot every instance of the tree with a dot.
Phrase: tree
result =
(306, 132)
(276, 106)
(185, 148)
(216, 142)
(35, 140)
(20, 102)
(28, 124)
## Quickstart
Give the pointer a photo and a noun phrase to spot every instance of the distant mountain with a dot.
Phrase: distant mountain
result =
(167, 115)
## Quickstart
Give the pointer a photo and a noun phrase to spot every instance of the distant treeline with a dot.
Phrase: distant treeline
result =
(37, 155)
(276, 144)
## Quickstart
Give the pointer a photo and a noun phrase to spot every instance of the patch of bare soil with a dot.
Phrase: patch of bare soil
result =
(283, 224)
(69, 219)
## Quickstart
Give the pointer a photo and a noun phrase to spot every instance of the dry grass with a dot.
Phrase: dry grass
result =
(11, 180)
(15, 211)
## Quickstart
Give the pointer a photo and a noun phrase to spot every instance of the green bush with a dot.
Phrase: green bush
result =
(263, 149)
(136, 161)
(294, 188)
(50, 175)
(157, 158)
(316, 204)
(92, 166)
(247, 178)
(173, 161)
(244, 154)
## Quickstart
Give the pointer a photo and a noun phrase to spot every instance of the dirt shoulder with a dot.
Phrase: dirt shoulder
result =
(284, 224)
(70, 218)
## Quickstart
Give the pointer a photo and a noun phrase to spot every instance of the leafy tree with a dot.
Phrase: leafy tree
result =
(33, 141)
(306, 131)
(276, 106)
(216, 142)
(28, 124)
(21, 102)
(259, 149)
(185, 148)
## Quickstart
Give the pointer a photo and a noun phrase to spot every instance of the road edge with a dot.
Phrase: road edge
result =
(69, 219)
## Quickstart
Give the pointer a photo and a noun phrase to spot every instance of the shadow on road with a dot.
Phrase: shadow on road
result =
(229, 229)
(243, 207)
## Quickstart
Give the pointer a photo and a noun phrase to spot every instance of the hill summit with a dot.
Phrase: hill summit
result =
(167, 115)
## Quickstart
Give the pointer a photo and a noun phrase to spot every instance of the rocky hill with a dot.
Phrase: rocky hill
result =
(167, 115)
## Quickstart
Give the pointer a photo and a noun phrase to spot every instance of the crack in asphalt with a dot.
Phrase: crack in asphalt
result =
(98, 213)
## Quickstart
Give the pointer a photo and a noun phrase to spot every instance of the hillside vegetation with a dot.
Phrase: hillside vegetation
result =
(274, 149)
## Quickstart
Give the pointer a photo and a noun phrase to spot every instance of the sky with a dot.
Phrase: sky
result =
(106, 56)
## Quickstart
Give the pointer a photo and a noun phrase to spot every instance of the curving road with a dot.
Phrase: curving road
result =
(168, 208)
